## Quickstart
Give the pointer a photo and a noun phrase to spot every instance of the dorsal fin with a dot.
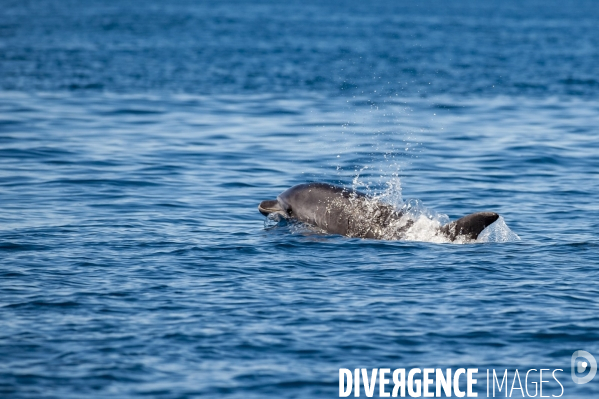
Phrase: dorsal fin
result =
(469, 226)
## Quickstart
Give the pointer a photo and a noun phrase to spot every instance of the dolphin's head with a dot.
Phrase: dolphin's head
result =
(307, 202)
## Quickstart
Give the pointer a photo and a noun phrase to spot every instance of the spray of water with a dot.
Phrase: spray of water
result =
(498, 232)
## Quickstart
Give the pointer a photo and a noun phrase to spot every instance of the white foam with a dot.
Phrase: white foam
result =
(498, 232)
(426, 230)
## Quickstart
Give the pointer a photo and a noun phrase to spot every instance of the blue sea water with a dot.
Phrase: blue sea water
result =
(137, 139)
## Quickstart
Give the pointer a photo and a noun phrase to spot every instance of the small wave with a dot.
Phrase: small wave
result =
(498, 232)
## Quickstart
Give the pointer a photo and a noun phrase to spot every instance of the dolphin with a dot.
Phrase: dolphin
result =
(339, 210)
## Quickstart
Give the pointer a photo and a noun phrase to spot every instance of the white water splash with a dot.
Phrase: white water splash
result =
(427, 221)
(392, 193)
(498, 232)
(425, 230)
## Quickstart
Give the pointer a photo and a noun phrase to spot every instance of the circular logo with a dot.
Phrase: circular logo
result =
(581, 366)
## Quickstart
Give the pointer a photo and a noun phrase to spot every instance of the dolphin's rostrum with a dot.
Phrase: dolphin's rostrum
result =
(348, 212)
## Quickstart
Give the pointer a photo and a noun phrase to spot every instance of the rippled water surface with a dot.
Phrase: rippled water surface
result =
(136, 142)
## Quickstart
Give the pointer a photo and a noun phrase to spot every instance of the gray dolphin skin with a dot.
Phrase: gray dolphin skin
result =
(350, 213)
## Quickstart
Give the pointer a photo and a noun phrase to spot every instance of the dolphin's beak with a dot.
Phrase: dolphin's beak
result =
(271, 206)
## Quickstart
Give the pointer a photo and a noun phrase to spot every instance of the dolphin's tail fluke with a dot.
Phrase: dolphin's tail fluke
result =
(469, 226)
(270, 206)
